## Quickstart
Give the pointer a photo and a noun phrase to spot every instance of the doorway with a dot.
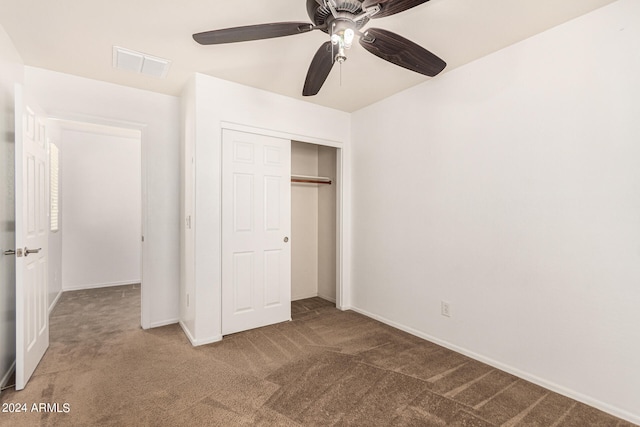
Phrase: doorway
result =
(98, 240)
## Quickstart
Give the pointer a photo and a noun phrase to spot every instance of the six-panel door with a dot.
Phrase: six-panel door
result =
(32, 234)
(256, 226)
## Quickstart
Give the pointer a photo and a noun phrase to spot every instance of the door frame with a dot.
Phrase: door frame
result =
(342, 267)
(89, 121)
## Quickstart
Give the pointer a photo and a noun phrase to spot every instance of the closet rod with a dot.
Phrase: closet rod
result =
(311, 179)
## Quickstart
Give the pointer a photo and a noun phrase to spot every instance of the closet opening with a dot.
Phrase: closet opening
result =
(314, 213)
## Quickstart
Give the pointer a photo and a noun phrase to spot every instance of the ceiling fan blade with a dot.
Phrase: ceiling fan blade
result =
(252, 32)
(318, 70)
(391, 7)
(400, 51)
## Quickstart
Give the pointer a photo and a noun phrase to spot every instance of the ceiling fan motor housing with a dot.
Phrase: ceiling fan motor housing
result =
(347, 10)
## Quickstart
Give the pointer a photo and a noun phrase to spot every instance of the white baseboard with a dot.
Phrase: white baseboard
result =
(163, 323)
(100, 285)
(194, 342)
(327, 298)
(610, 409)
(313, 295)
(7, 375)
(304, 296)
(55, 302)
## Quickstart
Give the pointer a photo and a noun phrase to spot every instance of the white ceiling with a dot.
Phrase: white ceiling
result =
(77, 36)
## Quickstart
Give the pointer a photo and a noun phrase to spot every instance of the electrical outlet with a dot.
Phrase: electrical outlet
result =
(445, 309)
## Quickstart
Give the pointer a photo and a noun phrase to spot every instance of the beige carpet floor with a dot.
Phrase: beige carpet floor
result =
(326, 367)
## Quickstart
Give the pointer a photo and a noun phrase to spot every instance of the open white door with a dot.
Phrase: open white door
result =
(256, 226)
(32, 230)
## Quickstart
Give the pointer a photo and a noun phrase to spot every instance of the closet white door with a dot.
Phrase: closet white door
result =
(256, 226)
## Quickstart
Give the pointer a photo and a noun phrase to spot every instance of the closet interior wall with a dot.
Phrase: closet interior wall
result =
(313, 223)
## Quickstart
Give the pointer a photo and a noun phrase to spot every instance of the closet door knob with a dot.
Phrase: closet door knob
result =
(286, 239)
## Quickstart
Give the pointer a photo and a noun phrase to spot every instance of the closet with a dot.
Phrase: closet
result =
(313, 221)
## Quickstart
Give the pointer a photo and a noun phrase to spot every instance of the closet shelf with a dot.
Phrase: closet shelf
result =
(311, 179)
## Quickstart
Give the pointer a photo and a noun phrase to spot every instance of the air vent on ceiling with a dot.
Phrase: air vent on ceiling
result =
(139, 62)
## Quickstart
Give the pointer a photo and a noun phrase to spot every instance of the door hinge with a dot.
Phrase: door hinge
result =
(143, 238)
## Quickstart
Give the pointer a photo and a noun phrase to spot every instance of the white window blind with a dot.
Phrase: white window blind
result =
(53, 180)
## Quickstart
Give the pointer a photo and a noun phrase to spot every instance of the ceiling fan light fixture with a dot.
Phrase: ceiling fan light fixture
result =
(349, 34)
(343, 33)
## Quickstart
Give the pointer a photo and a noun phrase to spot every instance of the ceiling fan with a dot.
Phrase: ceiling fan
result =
(343, 21)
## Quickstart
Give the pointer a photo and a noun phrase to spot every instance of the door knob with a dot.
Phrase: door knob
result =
(28, 251)
(286, 239)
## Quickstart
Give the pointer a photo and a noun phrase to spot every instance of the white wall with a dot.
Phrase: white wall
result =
(11, 72)
(102, 209)
(210, 105)
(158, 116)
(510, 188)
(304, 223)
